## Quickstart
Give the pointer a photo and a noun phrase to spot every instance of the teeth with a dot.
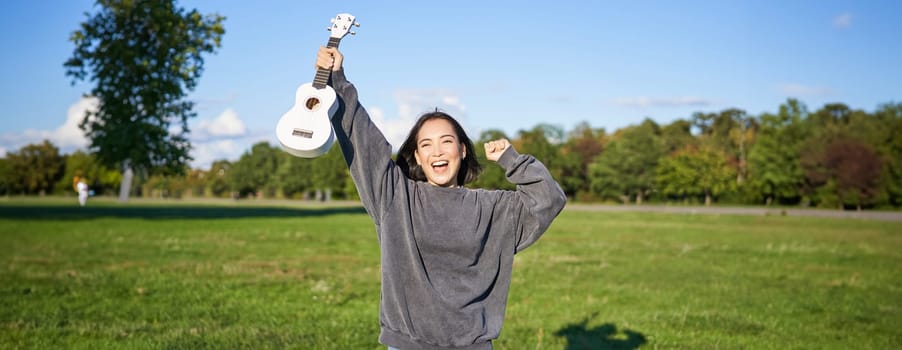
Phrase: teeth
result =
(440, 163)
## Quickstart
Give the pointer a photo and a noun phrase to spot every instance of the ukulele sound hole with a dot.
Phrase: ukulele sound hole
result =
(302, 133)
(312, 103)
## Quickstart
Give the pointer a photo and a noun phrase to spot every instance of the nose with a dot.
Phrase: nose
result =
(437, 152)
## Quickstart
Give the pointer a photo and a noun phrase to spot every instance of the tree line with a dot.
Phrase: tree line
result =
(144, 57)
(833, 157)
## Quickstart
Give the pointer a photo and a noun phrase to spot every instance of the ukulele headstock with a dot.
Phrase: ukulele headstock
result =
(342, 24)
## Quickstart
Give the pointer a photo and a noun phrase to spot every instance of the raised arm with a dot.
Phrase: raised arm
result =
(538, 196)
(366, 151)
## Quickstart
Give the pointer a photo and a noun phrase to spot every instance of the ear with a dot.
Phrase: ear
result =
(463, 151)
(416, 155)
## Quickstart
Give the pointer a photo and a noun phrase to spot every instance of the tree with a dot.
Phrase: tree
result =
(889, 117)
(675, 176)
(856, 168)
(823, 127)
(195, 182)
(543, 143)
(695, 172)
(293, 175)
(144, 56)
(217, 179)
(627, 166)
(100, 178)
(583, 145)
(36, 167)
(327, 173)
(742, 135)
(6, 177)
(677, 136)
(254, 172)
(774, 169)
(730, 131)
(164, 186)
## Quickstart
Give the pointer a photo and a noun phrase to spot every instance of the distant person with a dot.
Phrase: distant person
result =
(75, 181)
(82, 188)
(446, 251)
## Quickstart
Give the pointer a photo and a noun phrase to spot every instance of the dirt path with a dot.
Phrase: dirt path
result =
(867, 214)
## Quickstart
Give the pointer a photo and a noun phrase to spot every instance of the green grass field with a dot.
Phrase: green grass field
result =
(172, 275)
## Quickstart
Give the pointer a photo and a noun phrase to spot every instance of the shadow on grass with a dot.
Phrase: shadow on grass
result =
(604, 337)
(68, 212)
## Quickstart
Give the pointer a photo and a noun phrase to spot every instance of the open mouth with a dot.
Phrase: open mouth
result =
(440, 166)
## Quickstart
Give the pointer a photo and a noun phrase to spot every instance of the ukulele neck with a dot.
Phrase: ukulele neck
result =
(322, 74)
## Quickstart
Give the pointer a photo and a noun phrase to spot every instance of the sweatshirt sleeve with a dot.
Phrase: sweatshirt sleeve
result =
(540, 198)
(365, 149)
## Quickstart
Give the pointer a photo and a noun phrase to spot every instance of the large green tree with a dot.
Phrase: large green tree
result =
(36, 167)
(255, 172)
(775, 173)
(626, 169)
(702, 172)
(143, 57)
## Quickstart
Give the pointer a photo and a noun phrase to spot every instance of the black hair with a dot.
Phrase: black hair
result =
(469, 167)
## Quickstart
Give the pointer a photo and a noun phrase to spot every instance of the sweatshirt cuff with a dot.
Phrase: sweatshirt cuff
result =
(338, 78)
(507, 158)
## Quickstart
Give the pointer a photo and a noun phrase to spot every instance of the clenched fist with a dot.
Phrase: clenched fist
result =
(329, 58)
(494, 149)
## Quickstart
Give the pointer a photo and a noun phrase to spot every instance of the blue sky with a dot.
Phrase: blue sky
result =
(506, 65)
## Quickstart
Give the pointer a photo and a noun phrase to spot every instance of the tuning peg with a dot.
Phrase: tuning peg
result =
(329, 28)
(353, 33)
(357, 24)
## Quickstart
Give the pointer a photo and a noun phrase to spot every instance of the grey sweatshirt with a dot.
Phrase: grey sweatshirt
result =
(446, 253)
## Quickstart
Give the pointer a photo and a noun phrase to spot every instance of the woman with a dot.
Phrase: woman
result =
(446, 251)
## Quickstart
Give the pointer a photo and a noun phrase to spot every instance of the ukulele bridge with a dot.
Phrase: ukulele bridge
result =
(302, 133)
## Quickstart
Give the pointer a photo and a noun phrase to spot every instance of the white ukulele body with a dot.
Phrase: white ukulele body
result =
(306, 130)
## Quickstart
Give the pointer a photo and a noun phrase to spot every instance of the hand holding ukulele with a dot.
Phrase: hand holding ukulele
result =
(329, 58)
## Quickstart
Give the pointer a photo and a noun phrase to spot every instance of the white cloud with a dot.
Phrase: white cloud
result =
(799, 90)
(224, 137)
(644, 101)
(414, 102)
(68, 137)
(205, 153)
(227, 124)
(411, 104)
(843, 21)
(396, 129)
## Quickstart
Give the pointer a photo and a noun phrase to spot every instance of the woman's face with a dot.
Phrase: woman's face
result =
(439, 152)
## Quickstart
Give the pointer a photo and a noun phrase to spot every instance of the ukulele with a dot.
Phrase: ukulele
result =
(305, 130)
